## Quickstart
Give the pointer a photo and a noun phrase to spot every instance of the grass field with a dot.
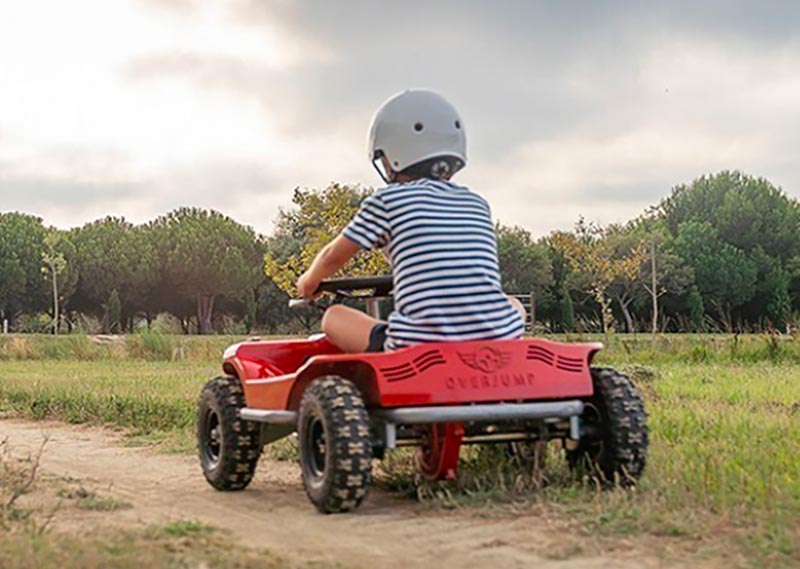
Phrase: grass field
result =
(180, 544)
(724, 467)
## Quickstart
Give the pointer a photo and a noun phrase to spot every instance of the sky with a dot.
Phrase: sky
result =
(597, 109)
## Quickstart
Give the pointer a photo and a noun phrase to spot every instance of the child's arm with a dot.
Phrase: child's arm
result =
(332, 258)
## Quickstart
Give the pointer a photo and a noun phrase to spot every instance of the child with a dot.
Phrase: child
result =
(439, 236)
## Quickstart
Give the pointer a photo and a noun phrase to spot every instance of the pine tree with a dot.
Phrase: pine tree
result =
(114, 313)
(696, 310)
(566, 312)
(779, 307)
(250, 310)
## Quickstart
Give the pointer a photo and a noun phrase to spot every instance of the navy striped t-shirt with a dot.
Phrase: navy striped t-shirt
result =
(442, 246)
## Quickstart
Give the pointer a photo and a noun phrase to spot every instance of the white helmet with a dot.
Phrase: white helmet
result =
(418, 128)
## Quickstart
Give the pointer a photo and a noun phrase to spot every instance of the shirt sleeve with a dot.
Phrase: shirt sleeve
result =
(370, 227)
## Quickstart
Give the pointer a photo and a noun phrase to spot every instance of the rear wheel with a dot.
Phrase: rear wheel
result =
(335, 447)
(437, 456)
(229, 447)
(613, 444)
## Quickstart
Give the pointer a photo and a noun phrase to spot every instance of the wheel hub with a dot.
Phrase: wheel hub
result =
(437, 457)
(592, 421)
(212, 447)
(315, 447)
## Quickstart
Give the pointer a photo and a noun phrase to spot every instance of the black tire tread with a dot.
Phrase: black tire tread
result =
(625, 432)
(345, 415)
(241, 447)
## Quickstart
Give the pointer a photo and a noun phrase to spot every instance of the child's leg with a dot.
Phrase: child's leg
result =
(348, 328)
(515, 302)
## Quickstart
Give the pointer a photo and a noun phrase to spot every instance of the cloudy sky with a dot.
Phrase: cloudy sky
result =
(135, 107)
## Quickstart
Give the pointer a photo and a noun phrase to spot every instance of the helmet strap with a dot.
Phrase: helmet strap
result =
(387, 176)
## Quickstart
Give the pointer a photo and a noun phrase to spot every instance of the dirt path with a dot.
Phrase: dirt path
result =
(274, 513)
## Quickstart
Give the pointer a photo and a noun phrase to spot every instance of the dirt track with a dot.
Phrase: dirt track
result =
(275, 514)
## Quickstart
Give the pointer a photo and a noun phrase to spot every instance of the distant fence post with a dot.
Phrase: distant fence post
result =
(5, 325)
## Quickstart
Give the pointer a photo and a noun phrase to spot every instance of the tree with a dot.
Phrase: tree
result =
(525, 265)
(21, 248)
(662, 272)
(302, 231)
(626, 283)
(697, 311)
(746, 212)
(250, 307)
(566, 312)
(771, 299)
(555, 303)
(793, 268)
(113, 254)
(59, 268)
(724, 275)
(272, 306)
(114, 313)
(591, 251)
(203, 255)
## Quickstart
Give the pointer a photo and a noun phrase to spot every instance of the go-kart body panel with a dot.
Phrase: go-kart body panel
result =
(274, 373)
(435, 397)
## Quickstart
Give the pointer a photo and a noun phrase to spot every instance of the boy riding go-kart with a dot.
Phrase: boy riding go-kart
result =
(447, 368)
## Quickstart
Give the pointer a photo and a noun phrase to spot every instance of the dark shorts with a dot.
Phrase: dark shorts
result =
(377, 337)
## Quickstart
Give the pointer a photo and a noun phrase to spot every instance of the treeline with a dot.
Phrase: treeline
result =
(721, 253)
(200, 267)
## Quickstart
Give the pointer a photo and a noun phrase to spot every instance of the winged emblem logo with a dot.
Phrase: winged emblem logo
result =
(486, 359)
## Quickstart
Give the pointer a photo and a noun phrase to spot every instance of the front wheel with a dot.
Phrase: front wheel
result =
(613, 443)
(335, 448)
(229, 447)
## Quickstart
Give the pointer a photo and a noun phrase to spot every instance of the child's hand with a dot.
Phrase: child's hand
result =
(307, 285)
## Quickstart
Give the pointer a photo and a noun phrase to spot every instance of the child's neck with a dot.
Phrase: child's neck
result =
(403, 178)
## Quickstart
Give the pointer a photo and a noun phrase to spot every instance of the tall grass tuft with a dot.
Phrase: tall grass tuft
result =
(20, 348)
(145, 344)
(151, 344)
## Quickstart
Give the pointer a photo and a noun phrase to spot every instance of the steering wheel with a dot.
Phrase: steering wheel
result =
(379, 286)
(374, 287)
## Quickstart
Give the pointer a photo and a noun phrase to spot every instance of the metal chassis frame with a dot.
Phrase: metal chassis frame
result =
(480, 413)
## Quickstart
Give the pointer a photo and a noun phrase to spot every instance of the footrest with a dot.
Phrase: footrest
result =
(273, 417)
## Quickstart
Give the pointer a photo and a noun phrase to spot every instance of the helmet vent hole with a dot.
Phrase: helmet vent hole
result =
(418, 127)
(458, 124)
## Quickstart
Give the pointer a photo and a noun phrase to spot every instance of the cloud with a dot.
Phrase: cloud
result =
(529, 71)
(545, 185)
(592, 108)
(68, 196)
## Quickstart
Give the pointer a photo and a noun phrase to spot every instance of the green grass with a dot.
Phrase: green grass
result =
(635, 348)
(145, 345)
(153, 401)
(724, 421)
(185, 528)
(89, 500)
(178, 545)
(723, 466)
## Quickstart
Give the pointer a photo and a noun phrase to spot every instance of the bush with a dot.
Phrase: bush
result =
(151, 344)
(39, 323)
(166, 323)
(87, 324)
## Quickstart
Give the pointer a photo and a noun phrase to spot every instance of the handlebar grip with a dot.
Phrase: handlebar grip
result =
(382, 285)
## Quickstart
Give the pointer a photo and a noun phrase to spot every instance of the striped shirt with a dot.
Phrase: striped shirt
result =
(442, 246)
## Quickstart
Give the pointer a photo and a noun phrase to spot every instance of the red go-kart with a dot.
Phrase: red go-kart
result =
(349, 409)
